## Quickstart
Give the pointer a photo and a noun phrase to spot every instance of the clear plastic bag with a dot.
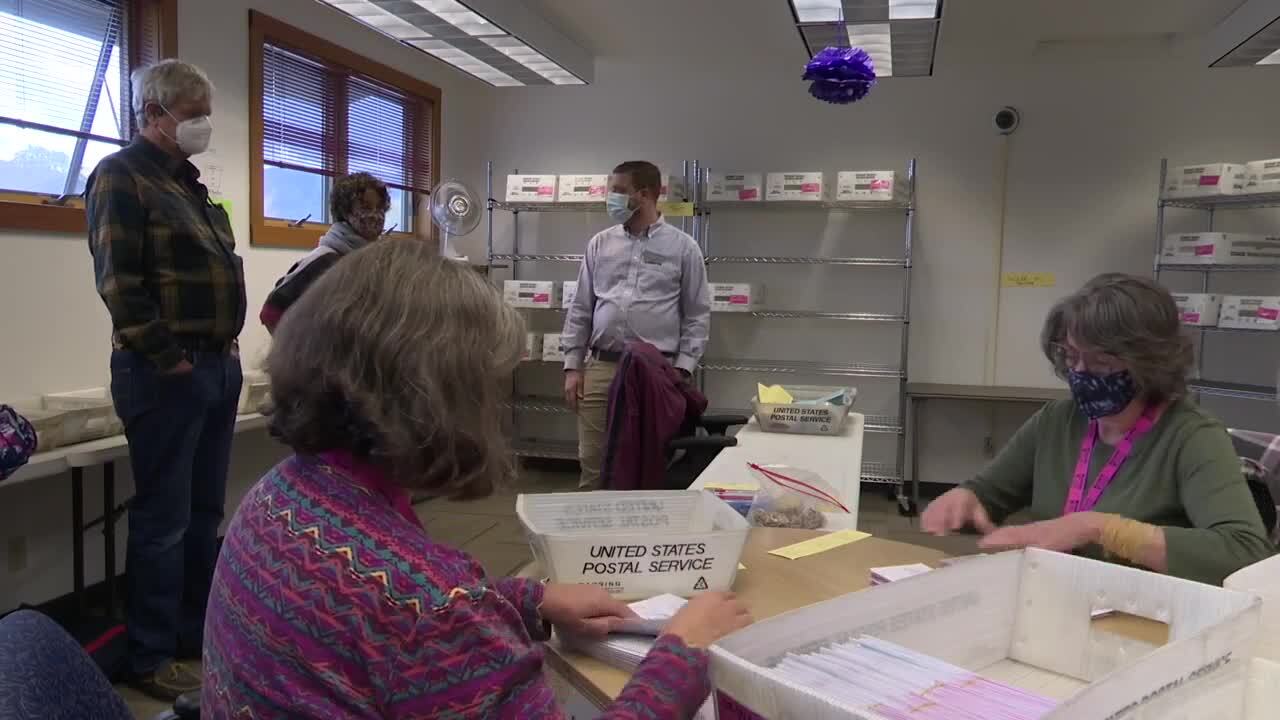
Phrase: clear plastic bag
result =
(791, 497)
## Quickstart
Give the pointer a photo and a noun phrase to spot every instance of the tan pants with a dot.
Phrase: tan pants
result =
(593, 410)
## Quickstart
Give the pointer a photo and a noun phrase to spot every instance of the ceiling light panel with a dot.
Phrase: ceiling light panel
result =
(899, 35)
(448, 30)
(1260, 49)
(1272, 59)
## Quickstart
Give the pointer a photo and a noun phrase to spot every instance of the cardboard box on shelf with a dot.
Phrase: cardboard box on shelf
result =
(1199, 309)
(532, 347)
(583, 188)
(1250, 312)
(568, 293)
(867, 185)
(807, 186)
(1262, 176)
(635, 544)
(674, 189)
(537, 294)
(531, 188)
(1025, 619)
(1215, 248)
(735, 187)
(736, 297)
(552, 351)
(1204, 180)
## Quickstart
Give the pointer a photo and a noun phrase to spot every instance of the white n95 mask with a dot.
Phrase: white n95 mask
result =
(192, 134)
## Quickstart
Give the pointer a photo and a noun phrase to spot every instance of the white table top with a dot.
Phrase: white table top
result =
(95, 452)
(836, 458)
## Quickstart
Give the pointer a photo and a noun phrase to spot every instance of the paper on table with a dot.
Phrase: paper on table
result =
(653, 614)
(740, 487)
(773, 394)
(823, 543)
(741, 566)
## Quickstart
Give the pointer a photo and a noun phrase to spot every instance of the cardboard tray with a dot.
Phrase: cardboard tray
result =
(1023, 618)
(636, 544)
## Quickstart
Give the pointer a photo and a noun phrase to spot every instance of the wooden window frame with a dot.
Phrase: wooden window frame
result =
(43, 213)
(264, 29)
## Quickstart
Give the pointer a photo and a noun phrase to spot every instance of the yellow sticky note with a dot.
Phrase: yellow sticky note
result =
(740, 487)
(225, 205)
(773, 394)
(676, 209)
(1027, 280)
(823, 543)
(741, 566)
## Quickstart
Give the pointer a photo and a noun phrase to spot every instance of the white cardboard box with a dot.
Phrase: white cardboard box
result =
(674, 189)
(1023, 618)
(867, 185)
(1204, 180)
(583, 188)
(636, 544)
(103, 421)
(1215, 248)
(1199, 309)
(537, 294)
(532, 346)
(531, 188)
(1262, 176)
(736, 297)
(806, 186)
(568, 293)
(735, 187)
(1250, 312)
(552, 351)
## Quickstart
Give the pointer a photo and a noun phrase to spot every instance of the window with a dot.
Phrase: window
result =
(65, 98)
(320, 112)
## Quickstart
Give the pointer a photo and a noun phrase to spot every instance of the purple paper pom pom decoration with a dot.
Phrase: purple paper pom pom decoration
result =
(840, 75)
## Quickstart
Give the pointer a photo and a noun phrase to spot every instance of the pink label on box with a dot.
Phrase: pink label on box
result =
(597, 191)
(729, 709)
(810, 187)
(1210, 179)
(1267, 313)
(546, 190)
(541, 297)
(1204, 249)
(748, 194)
(737, 299)
(881, 184)
(1190, 317)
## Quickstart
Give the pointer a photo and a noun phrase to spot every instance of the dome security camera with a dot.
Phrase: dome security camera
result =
(1006, 120)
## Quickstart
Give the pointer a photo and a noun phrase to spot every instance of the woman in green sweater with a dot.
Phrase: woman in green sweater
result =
(1130, 469)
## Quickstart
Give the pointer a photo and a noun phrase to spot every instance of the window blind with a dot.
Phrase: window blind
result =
(323, 118)
(54, 60)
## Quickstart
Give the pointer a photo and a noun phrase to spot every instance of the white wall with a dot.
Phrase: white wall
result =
(57, 333)
(1082, 180)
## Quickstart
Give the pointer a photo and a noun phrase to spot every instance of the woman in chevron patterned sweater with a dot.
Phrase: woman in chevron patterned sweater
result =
(330, 600)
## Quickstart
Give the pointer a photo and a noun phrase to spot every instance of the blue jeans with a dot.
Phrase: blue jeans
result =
(179, 429)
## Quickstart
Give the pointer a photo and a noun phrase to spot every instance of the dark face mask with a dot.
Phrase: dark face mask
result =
(1100, 396)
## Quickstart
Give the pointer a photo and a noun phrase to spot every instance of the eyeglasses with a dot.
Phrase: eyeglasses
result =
(1097, 361)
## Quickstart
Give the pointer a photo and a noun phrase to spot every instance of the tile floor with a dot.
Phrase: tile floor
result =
(489, 531)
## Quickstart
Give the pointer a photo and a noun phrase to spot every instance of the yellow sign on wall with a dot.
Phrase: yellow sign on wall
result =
(676, 209)
(1027, 280)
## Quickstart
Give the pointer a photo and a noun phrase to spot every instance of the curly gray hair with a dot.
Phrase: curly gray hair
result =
(1133, 319)
(168, 82)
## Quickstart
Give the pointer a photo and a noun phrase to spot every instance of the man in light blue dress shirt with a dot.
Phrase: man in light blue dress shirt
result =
(641, 279)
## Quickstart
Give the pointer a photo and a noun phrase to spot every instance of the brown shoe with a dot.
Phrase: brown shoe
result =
(168, 681)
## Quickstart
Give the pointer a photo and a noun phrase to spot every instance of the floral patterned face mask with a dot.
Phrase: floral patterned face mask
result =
(1101, 395)
(368, 223)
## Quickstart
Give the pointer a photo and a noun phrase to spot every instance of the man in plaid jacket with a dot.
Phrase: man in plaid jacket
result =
(166, 268)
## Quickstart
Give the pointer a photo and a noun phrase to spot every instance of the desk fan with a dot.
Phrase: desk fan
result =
(455, 210)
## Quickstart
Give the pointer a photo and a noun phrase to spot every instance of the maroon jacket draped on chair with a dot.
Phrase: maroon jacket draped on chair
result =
(650, 403)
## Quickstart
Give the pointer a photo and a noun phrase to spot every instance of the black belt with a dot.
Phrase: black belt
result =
(615, 356)
(205, 345)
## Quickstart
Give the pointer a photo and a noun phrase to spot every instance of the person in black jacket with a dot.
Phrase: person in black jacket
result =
(358, 204)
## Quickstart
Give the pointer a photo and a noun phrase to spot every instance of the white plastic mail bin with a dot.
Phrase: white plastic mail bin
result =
(805, 419)
(1024, 619)
(58, 428)
(102, 420)
(254, 391)
(636, 544)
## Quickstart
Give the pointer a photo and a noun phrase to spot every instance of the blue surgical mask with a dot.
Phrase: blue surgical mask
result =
(1100, 396)
(618, 207)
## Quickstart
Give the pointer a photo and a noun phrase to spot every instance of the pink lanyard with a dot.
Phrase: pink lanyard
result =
(1076, 499)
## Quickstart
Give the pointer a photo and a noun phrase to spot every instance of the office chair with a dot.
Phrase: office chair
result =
(690, 453)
